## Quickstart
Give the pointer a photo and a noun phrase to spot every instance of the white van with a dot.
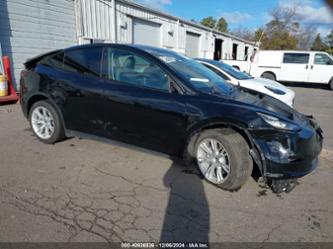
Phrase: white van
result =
(289, 66)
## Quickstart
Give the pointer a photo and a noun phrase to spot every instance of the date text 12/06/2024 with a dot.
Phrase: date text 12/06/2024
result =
(164, 245)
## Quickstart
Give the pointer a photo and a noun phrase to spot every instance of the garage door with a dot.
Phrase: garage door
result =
(192, 44)
(147, 33)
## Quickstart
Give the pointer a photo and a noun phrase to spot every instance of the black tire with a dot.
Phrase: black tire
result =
(58, 133)
(241, 163)
(268, 75)
(330, 85)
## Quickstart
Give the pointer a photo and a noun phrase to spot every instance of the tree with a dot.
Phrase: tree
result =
(284, 31)
(329, 39)
(305, 36)
(276, 37)
(318, 44)
(244, 33)
(259, 34)
(209, 22)
(222, 25)
(279, 41)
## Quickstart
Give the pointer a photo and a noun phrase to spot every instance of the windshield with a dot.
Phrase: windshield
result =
(231, 70)
(196, 74)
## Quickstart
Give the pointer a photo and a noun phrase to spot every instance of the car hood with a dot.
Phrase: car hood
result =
(262, 102)
(257, 83)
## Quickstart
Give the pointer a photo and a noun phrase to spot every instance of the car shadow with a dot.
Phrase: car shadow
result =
(187, 214)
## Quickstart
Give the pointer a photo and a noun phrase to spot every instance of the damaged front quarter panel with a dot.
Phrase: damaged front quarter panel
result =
(288, 154)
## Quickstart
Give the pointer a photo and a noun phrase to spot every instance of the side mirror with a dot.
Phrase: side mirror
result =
(330, 62)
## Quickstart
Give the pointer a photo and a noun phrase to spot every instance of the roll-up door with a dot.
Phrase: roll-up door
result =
(147, 33)
(192, 44)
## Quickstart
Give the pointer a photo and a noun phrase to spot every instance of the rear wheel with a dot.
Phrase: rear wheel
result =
(223, 158)
(268, 75)
(45, 122)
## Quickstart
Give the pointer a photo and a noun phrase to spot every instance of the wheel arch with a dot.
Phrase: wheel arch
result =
(270, 72)
(33, 99)
(39, 97)
(330, 84)
(240, 128)
(194, 130)
(330, 80)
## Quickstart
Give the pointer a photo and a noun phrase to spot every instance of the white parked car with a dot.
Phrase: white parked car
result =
(289, 66)
(236, 77)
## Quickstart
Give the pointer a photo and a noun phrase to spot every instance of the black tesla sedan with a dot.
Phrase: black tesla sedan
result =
(164, 101)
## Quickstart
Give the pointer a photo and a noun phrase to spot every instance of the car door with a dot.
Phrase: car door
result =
(295, 67)
(80, 81)
(321, 69)
(138, 106)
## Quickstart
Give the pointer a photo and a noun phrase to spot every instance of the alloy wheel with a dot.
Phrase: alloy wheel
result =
(213, 160)
(42, 122)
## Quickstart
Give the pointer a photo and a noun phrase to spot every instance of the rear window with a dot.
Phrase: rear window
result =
(84, 61)
(296, 58)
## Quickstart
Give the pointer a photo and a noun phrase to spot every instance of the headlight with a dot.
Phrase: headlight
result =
(275, 90)
(277, 123)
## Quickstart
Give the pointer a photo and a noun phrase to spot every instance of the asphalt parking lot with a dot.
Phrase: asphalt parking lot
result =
(84, 190)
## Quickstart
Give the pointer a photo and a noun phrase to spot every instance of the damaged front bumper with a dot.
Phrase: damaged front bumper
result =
(286, 154)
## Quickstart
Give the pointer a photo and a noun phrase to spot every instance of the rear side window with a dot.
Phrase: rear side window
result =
(55, 61)
(296, 58)
(85, 61)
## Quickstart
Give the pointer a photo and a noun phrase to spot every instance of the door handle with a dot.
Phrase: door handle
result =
(307, 66)
(311, 66)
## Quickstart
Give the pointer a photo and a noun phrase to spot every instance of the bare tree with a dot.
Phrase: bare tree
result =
(244, 33)
(305, 37)
(286, 24)
(285, 18)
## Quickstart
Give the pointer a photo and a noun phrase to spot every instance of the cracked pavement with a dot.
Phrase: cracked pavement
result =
(85, 190)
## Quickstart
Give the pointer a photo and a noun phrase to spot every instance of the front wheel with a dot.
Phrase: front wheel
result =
(330, 85)
(223, 158)
(45, 122)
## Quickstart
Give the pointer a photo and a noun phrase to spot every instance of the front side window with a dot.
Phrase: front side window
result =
(131, 68)
(85, 61)
(192, 71)
(296, 58)
(322, 59)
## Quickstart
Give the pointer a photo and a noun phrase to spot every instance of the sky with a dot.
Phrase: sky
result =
(246, 13)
